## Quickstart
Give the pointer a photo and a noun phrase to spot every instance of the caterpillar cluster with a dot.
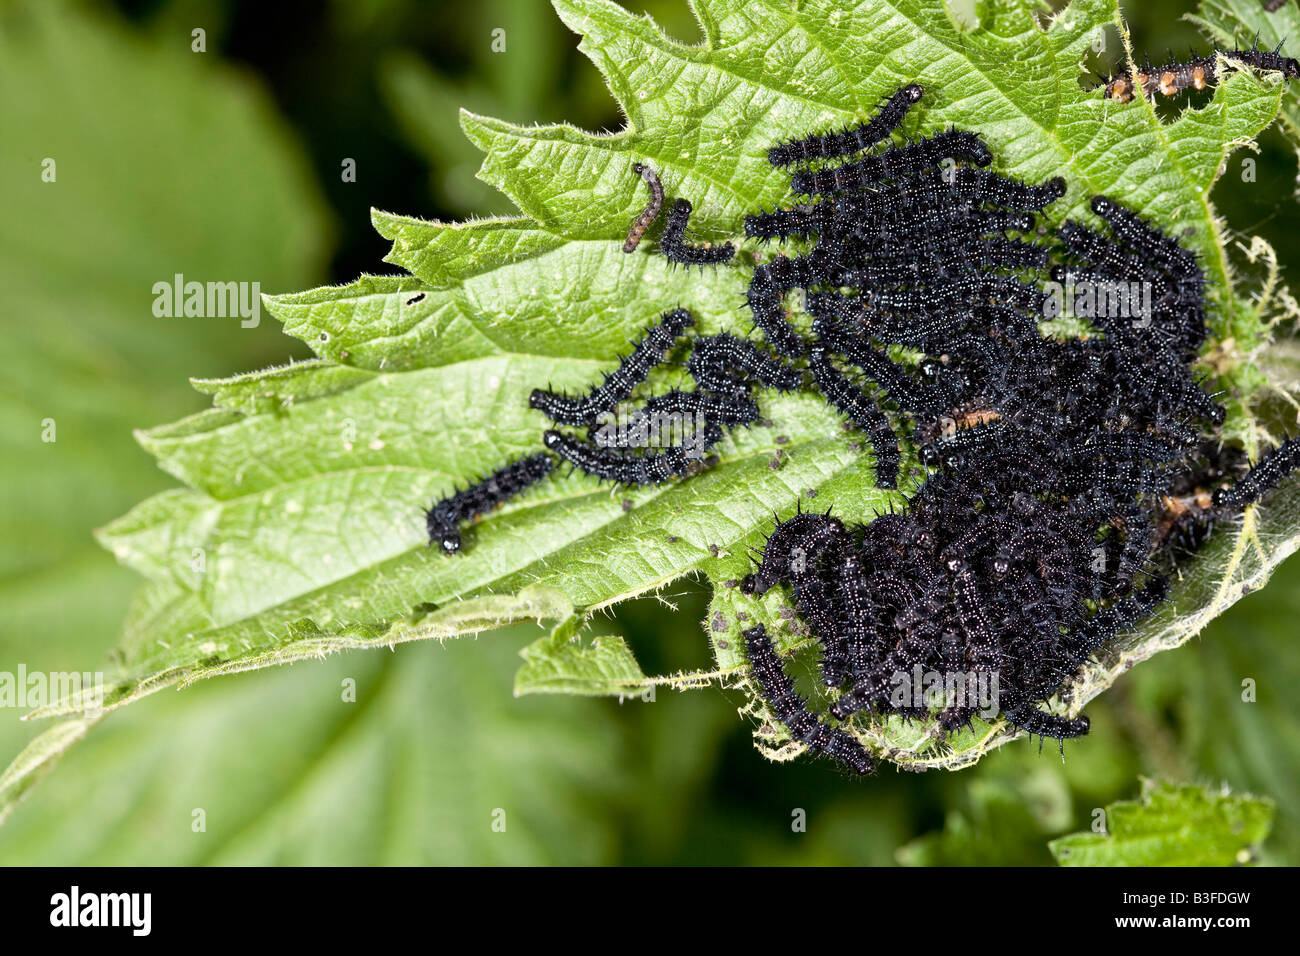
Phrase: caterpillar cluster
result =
(976, 605)
(1036, 541)
(1195, 73)
(924, 246)
(1061, 473)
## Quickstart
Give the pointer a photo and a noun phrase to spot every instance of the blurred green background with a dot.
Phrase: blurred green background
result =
(226, 165)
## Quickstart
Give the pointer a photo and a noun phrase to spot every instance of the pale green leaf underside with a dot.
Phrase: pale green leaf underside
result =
(1173, 826)
(300, 529)
(37, 759)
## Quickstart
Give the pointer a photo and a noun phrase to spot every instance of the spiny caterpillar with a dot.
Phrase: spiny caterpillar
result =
(1196, 73)
(861, 409)
(850, 139)
(444, 518)
(1271, 469)
(894, 163)
(789, 708)
(725, 363)
(677, 250)
(626, 467)
(617, 385)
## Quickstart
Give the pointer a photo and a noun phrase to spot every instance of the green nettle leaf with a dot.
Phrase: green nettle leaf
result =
(1172, 825)
(304, 486)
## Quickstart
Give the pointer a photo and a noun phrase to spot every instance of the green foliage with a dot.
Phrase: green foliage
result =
(561, 664)
(1226, 711)
(142, 134)
(1001, 824)
(304, 484)
(1173, 826)
(412, 771)
(278, 761)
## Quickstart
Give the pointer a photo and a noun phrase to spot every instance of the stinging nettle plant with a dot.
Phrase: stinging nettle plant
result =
(304, 485)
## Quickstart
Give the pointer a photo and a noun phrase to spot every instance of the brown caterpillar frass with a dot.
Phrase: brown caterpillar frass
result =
(1197, 73)
(643, 222)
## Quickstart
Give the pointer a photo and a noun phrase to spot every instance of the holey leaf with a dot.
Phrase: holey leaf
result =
(299, 529)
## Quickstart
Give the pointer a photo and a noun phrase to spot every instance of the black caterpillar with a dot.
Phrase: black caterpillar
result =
(619, 384)
(724, 363)
(850, 139)
(662, 412)
(789, 708)
(444, 518)
(1261, 479)
(860, 409)
(627, 468)
(674, 246)
(894, 163)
